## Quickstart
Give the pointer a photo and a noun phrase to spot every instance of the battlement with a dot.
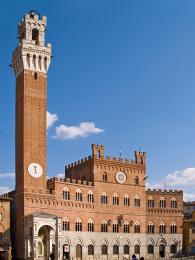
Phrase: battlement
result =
(68, 180)
(164, 191)
(98, 153)
(79, 162)
(97, 150)
(140, 157)
(34, 15)
(5, 196)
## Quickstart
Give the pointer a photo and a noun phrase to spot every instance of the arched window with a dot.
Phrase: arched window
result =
(115, 199)
(136, 180)
(115, 227)
(104, 250)
(45, 63)
(104, 199)
(126, 249)
(78, 225)
(126, 227)
(115, 249)
(65, 224)
(66, 194)
(137, 201)
(162, 203)
(90, 250)
(173, 249)
(126, 200)
(34, 61)
(40, 62)
(173, 228)
(150, 202)
(90, 225)
(137, 227)
(104, 176)
(90, 197)
(136, 249)
(104, 226)
(150, 249)
(173, 203)
(28, 60)
(162, 228)
(79, 195)
(35, 35)
(150, 228)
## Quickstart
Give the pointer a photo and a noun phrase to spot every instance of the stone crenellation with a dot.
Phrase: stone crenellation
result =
(69, 180)
(79, 162)
(107, 158)
(163, 191)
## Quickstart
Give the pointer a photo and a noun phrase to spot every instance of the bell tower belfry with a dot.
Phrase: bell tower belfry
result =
(30, 61)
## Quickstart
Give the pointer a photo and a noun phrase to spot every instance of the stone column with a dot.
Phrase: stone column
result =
(72, 252)
(35, 247)
(58, 240)
(97, 252)
(156, 251)
(84, 252)
(121, 252)
(109, 252)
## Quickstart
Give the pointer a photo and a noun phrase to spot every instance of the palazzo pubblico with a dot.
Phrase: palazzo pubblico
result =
(101, 209)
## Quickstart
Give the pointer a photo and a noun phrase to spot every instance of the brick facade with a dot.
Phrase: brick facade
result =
(100, 207)
(5, 239)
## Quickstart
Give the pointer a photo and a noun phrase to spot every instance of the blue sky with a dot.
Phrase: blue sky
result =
(128, 68)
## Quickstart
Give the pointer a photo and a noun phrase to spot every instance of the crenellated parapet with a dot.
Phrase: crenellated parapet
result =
(77, 163)
(69, 180)
(32, 53)
(97, 151)
(140, 157)
(98, 154)
(164, 191)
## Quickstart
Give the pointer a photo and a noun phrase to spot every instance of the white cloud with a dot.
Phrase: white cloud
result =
(181, 179)
(51, 119)
(4, 189)
(64, 132)
(60, 175)
(185, 177)
(7, 175)
(189, 196)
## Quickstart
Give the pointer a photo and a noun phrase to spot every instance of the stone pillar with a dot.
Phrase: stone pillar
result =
(121, 252)
(167, 251)
(97, 252)
(156, 251)
(143, 250)
(35, 247)
(109, 252)
(72, 252)
(84, 252)
(58, 239)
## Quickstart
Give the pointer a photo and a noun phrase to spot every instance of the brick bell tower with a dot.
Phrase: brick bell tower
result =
(30, 61)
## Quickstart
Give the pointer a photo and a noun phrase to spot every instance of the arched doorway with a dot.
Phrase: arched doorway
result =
(66, 252)
(46, 244)
(162, 250)
(78, 252)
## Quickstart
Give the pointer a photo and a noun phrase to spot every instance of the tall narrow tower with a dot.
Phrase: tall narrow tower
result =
(31, 60)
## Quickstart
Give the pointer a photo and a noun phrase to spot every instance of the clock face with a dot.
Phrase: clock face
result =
(35, 170)
(121, 177)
